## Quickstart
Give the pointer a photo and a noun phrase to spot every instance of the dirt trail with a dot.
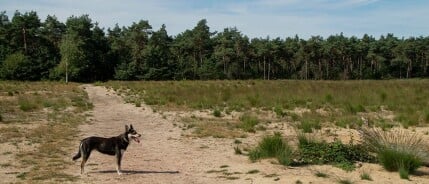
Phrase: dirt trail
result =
(164, 156)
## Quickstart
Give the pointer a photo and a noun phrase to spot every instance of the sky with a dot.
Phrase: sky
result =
(254, 18)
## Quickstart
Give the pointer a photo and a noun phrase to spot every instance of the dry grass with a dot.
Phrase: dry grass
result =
(345, 101)
(41, 118)
(205, 127)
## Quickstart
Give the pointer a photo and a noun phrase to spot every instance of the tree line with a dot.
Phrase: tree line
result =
(34, 50)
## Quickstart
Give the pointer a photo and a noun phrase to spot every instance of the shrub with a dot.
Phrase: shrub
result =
(217, 113)
(248, 123)
(272, 147)
(396, 150)
(337, 153)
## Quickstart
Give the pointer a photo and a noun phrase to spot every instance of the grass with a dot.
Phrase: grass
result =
(345, 181)
(273, 146)
(351, 99)
(365, 176)
(248, 122)
(204, 127)
(44, 116)
(397, 150)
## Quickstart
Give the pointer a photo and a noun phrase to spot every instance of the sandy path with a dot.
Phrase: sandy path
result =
(164, 156)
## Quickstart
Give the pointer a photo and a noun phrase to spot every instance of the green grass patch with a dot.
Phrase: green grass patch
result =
(248, 122)
(344, 99)
(396, 150)
(365, 176)
(273, 146)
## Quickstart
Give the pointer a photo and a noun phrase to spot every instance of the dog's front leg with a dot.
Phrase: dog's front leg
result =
(119, 154)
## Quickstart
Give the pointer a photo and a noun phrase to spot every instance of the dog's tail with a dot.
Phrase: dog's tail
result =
(78, 155)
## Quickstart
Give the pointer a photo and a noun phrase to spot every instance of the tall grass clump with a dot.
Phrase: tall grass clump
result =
(248, 122)
(307, 126)
(396, 150)
(273, 146)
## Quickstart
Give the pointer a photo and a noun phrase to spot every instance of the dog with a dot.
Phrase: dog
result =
(114, 146)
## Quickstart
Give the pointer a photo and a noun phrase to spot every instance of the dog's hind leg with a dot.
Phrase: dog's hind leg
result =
(85, 155)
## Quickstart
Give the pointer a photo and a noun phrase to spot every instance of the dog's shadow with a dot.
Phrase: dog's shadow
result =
(137, 172)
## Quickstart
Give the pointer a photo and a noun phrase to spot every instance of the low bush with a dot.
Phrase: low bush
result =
(336, 153)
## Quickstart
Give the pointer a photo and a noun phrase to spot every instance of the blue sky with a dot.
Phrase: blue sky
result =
(254, 18)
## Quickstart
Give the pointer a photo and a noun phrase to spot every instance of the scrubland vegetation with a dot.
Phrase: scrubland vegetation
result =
(40, 119)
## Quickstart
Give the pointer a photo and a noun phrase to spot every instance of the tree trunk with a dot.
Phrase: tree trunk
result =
(25, 39)
(264, 68)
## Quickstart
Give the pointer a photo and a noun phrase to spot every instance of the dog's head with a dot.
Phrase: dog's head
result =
(132, 134)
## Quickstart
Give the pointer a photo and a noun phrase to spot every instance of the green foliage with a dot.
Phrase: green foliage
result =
(308, 126)
(16, 66)
(394, 160)
(365, 176)
(337, 153)
(217, 113)
(272, 147)
(396, 150)
(248, 122)
(404, 173)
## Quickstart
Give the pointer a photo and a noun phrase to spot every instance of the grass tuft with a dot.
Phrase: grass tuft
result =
(396, 150)
(365, 176)
(272, 147)
(248, 122)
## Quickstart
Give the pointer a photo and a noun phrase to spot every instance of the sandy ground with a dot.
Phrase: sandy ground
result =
(165, 156)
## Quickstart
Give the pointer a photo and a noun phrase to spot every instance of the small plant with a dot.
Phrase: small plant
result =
(248, 123)
(272, 146)
(236, 141)
(321, 174)
(224, 166)
(298, 182)
(217, 113)
(237, 150)
(365, 176)
(279, 111)
(345, 181)
(1, 118)
(138, 104)
(27, 104)
(307, 126)
(404, 173)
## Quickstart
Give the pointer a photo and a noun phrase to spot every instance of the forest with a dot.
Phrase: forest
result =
(31, 50)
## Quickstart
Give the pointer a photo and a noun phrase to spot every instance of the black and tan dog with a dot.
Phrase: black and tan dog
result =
(114, 146)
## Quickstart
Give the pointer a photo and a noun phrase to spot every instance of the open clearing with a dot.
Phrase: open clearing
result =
(167, 155)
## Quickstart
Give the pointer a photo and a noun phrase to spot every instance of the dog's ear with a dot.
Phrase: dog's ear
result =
(131, 126)
(126, 128)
